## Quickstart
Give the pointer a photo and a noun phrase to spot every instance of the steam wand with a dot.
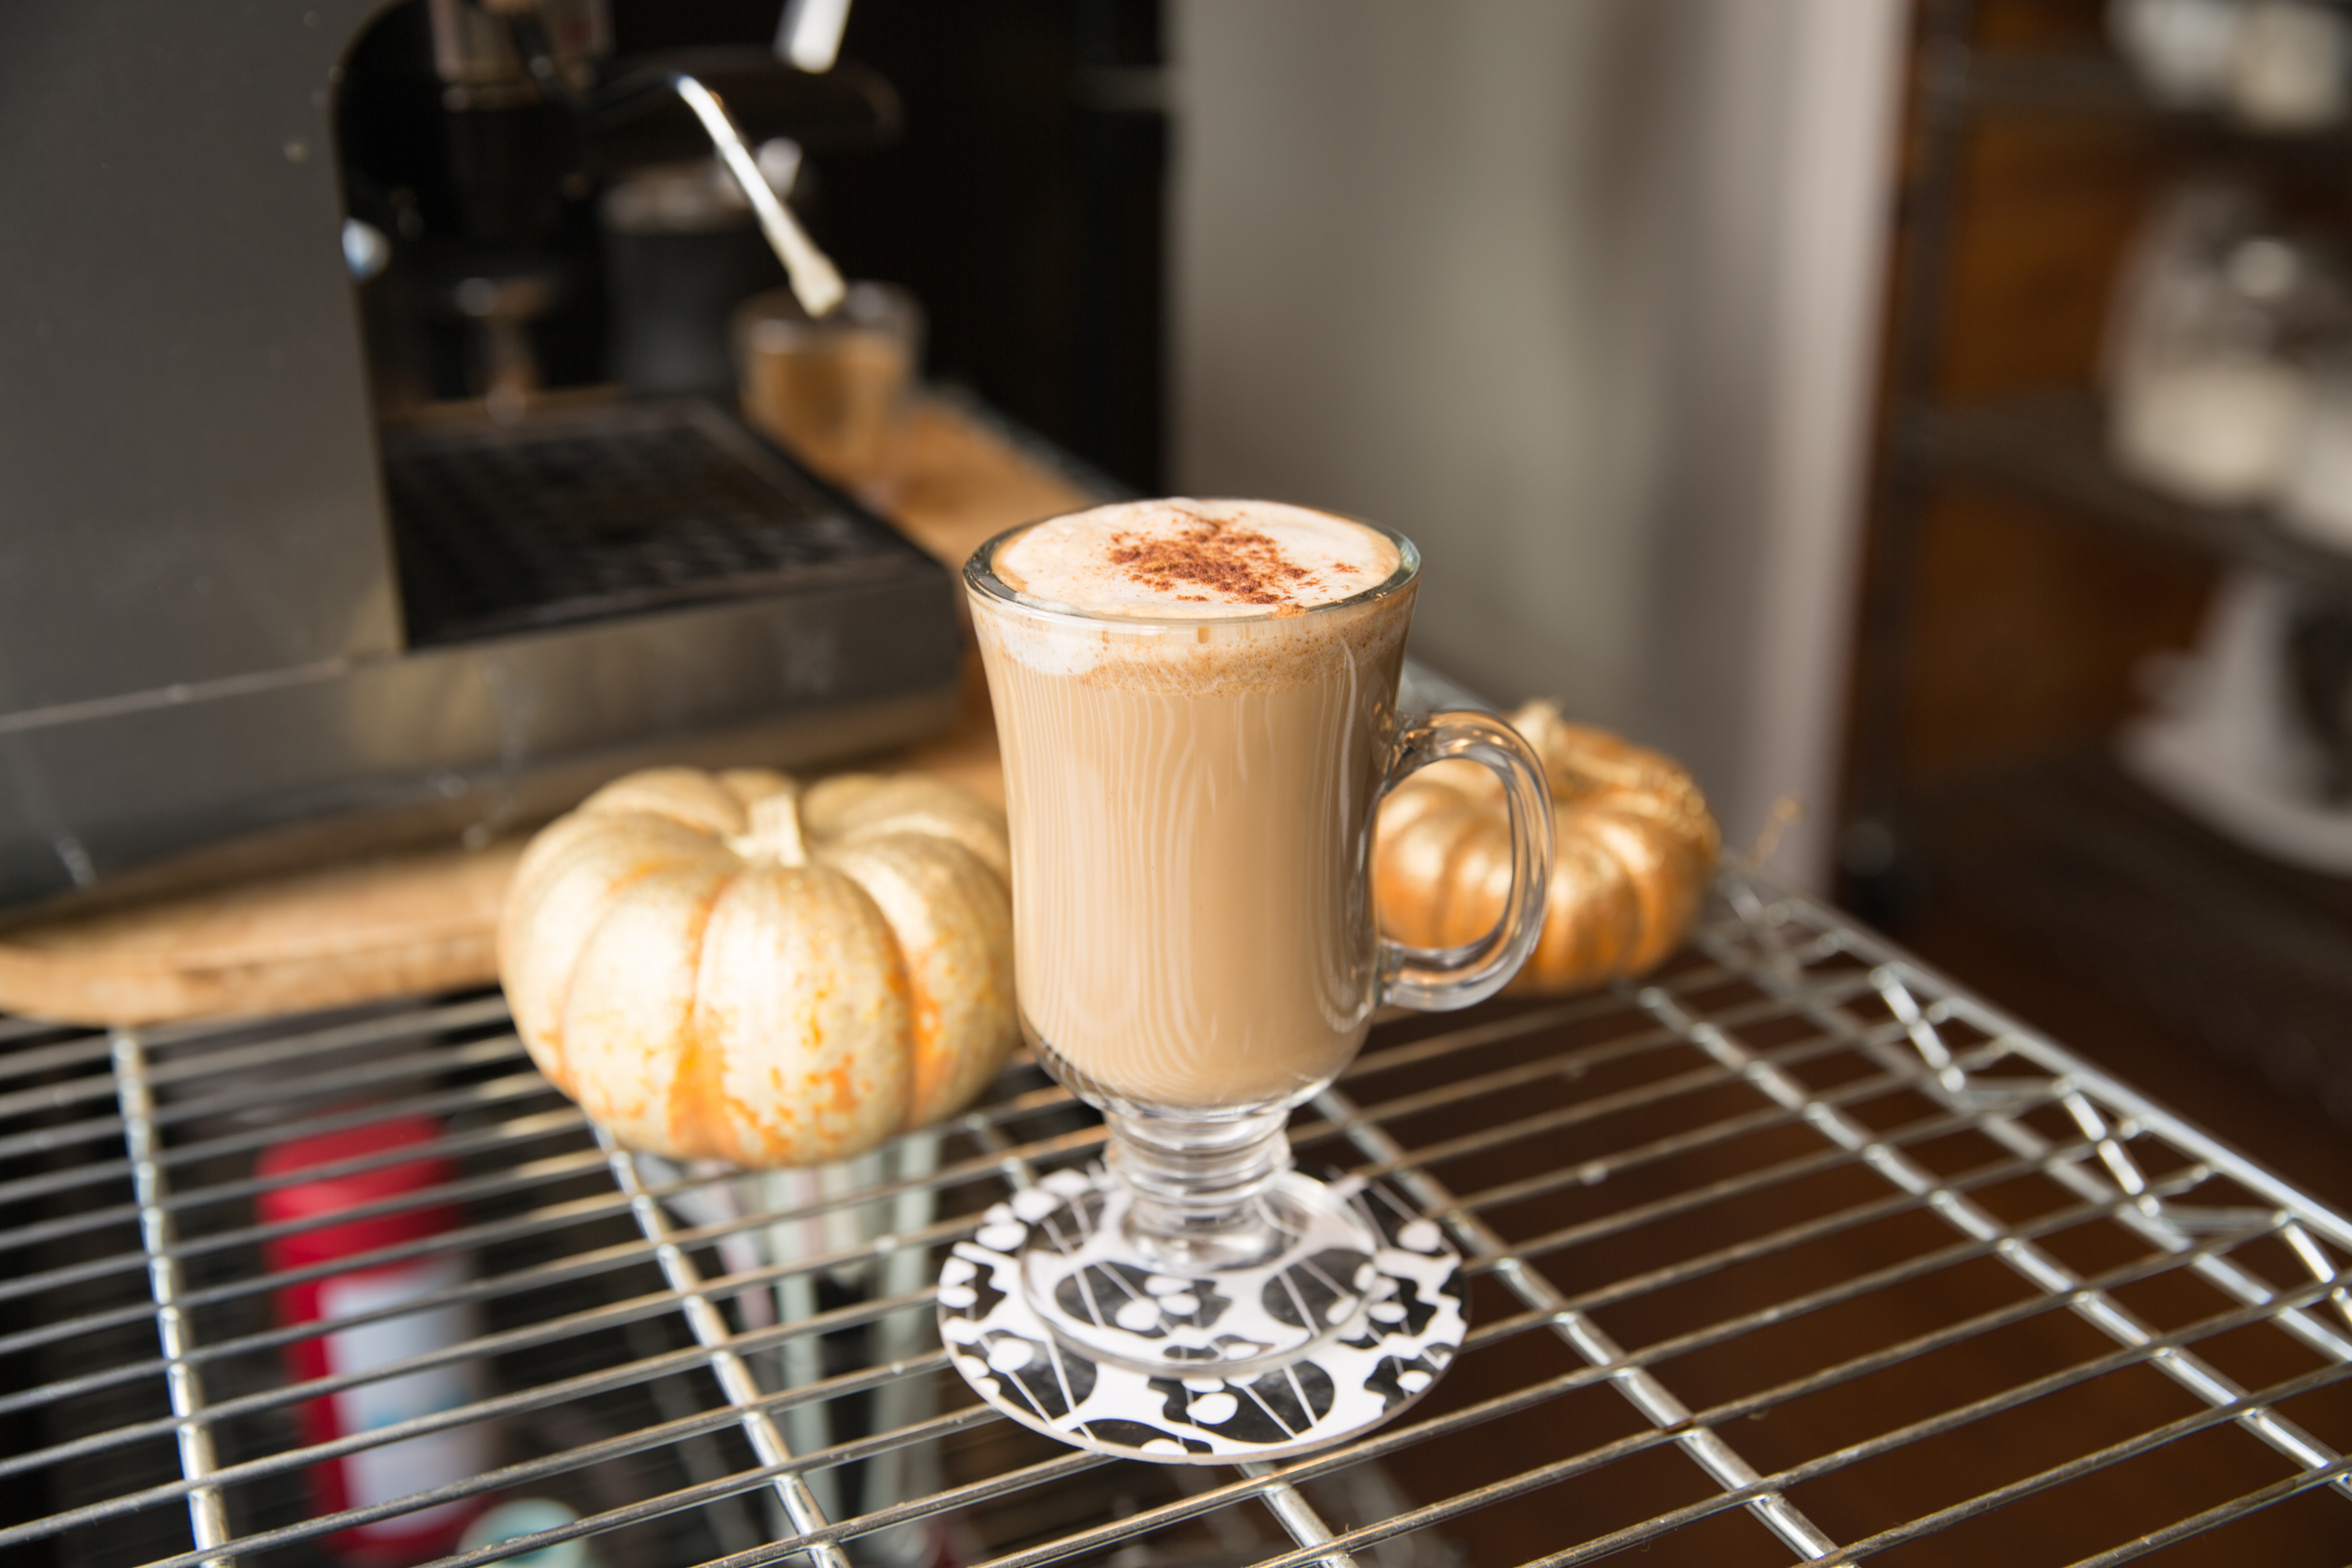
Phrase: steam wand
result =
(817, 282)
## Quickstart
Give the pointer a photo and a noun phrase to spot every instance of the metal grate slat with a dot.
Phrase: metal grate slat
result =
(2035, 1265)
(207, 1517)
(710, 1331)
(1796, 1176)
(1640, 1387)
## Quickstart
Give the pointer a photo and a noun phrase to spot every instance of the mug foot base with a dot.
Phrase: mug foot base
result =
(1265, 1407)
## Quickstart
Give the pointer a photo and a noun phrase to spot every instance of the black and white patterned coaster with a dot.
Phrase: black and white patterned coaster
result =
(1309, 1383)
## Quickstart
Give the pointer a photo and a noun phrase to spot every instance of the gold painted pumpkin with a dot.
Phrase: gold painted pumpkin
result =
(1634, 849)
(728, 966)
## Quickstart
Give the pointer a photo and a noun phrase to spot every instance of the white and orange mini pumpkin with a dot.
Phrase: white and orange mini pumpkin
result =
(728, 966)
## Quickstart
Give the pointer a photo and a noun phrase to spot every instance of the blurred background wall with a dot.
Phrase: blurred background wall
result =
(1582, 297)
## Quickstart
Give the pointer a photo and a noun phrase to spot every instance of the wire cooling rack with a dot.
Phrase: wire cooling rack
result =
(1794, 1252)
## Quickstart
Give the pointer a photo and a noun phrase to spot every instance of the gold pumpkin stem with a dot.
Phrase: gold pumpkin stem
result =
(775, 832)
(1786, 812)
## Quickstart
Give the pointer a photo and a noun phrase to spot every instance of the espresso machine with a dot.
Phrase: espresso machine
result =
(320, 527)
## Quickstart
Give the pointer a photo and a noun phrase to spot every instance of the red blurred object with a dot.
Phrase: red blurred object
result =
(390, 1470)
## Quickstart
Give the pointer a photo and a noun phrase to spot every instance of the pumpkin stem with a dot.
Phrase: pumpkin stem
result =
(775, 833)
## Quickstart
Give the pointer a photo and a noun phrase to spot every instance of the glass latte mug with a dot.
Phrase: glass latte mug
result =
(1198, 717)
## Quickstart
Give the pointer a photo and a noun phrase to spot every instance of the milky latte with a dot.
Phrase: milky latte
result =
(1196, 701)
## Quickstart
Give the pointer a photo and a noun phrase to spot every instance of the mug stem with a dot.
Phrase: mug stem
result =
(1200, 1187)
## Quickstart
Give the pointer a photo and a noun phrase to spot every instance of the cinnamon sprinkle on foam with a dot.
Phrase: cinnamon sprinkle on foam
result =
(1236, 562)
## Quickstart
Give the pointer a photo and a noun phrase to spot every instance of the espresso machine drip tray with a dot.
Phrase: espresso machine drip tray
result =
(585, 590)
(586, 513)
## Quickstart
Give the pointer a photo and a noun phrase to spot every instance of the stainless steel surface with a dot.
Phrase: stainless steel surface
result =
(202, 629)
(184, 440)
(680, 651)
(474, 737)
(477, 735)
(1781, 1095)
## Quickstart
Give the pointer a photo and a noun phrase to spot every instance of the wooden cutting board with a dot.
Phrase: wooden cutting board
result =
(394, 924)
(383, 926)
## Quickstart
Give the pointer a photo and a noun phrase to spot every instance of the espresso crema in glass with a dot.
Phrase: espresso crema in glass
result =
(1196, 701)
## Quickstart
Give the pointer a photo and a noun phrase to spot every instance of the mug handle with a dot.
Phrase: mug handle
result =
(1436, 980)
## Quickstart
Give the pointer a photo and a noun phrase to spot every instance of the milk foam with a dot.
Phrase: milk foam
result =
(1195, 560)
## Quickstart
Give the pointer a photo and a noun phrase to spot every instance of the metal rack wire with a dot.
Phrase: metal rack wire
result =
(1794, 1252)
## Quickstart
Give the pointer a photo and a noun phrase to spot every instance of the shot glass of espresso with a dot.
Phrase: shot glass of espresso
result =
(1197, 703)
